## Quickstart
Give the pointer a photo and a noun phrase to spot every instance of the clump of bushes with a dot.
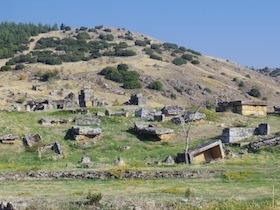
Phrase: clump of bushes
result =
(179, 61)
(19, 66)
(156, 85)
(94, 198)
(195, 62)
(156, 57)
(106, 37)
(50, 76)
(130, 79)
(6, 68)
(255, 92)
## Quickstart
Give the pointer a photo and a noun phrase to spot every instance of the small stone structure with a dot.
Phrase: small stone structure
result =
(31, 139)
(8, 139)
(38, 105)
(145, 114)
(262, 143)
(205, 152)
(145, 128)
(172, 110)
(8, 206)
(231, 135)
(136, 99)
(54, 147)
(257, 108)
(188, 116)
(86, 97)
(83, 133)
(87, 120)
(55, 121)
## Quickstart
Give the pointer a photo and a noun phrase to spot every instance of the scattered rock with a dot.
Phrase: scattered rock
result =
(169, 160)
(55, 121)
(54, 147)
(87, 121)
(119, 162)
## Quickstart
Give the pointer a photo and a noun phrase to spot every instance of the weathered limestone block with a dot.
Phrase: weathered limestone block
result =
(31, 139)
(190, 116)
(146, 114)
(54, 147)
(157, 132)
(87, 120)
(83, 133)
(8, 139)
(172, 110)
(263, 129)
(230, 135)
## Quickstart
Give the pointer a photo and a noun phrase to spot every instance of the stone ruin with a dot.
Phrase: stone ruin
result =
(188, 116)
(8, 139)
(87, 120)
(205, 152)
(84, 133)
(109, 112)
(149, 114)
(231, 135)
(8, 206)
(31, 139)
(263, 143)
(86, 97)
(55, 121)
(156, 133)
(276, 109)
(136, 99)
(55, 148)
(172, 110)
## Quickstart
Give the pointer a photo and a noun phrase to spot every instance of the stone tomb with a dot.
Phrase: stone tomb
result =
(205, 152)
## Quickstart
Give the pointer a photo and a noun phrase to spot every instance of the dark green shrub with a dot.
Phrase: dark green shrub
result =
(248, 76)
(183, 49)
(132, 85)
(155, 46)
(6, 68)
(140, 43)
(122, 45)
(179, 61)
(99, 27)
(92, 30)
(194, 52)
(241, 84)
(124, 53)
(211, 77)
(195, 62)
(255, 92)
(122, 67)
(50, 76)
(19, 67)
(106, 37)
(94, 198)
(107, 30)
(129, 37)
(156, 85)
(234, 79)
(83, 36)
(148, 51)
(153, 56)
(83, 28)
(168, 46)
(188, 57)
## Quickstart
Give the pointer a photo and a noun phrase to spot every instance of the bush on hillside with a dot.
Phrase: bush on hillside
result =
(168, 46)
(6, 68)
(83, 36)
(255, 92)
(179, 61)
(19, 67)
(156, 85)
(50, 76)
(153, 56)
(187, 57)
(106, 37)
(132, 85)
(194, 52)
(195, 62)
(140, 43)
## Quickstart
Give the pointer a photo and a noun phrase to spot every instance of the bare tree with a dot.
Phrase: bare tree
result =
(187, 134)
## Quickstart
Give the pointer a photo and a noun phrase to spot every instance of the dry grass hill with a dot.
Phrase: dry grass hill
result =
(209, 81)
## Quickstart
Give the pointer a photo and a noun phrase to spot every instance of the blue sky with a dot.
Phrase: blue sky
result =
(244, 31)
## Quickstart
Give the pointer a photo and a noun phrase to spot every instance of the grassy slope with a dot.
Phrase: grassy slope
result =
(259, 172)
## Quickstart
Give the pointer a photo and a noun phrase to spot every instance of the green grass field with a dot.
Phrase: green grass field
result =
(250, 181)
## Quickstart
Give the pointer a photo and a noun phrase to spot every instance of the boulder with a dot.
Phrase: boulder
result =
(169, 160)
(190, 116)
(82, 133)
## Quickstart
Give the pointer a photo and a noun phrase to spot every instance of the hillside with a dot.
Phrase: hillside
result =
(78, 55)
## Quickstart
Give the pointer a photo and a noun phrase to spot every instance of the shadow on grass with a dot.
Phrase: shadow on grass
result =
(143, 137)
